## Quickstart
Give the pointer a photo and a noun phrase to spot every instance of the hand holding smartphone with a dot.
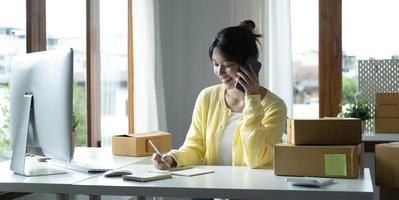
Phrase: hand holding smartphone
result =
(250, 62)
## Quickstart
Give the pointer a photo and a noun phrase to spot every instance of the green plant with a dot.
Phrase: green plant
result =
(359, 109)
(75, 120)
(79, 112)
(349, 87)
(5, 143)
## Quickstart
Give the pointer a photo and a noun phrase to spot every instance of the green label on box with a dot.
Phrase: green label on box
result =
(335, 164)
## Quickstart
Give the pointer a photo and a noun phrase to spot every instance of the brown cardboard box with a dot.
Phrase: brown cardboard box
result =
(331, 131)
(386, 125)
(387, 165)
(137, 144)
(387, 111)
(340, 161)
(387, 98)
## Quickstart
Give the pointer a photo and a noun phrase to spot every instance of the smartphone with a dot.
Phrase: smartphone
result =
(250, 62)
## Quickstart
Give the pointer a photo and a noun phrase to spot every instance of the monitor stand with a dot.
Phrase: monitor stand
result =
(19, 147)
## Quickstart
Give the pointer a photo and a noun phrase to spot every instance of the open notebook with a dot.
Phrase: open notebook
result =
(184, 172)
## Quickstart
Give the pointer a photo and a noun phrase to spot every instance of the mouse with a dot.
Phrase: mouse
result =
(114, 173)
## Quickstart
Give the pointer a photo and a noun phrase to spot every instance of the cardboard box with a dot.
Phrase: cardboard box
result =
(387, 98)
(339, 161)
(386, 125)
(137, 144)
(387, 111)
(387, 165)
(329, 131)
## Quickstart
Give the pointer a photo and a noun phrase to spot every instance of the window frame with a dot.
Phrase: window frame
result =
(37, 41)
(330, 57)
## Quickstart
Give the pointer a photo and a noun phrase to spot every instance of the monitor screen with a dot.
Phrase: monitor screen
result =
(48, 77)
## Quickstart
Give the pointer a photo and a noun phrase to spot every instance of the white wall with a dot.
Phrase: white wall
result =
(187, 27)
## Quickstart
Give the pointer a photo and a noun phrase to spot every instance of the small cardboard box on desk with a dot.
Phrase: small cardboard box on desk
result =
(137, 144)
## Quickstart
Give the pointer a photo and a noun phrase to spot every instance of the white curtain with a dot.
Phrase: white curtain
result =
(279, 51)
(149, 103)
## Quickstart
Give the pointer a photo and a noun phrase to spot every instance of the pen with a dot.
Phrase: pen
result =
(158, 152)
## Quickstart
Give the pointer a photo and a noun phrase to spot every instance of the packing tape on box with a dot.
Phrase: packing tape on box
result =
(335, 164)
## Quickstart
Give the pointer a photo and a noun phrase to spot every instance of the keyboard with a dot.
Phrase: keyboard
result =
(82, 167)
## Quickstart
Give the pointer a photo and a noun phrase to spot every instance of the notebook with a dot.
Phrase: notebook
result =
(184, 172)
(146, 176)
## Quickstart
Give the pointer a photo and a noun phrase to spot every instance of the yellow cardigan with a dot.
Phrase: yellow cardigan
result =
(260, 127)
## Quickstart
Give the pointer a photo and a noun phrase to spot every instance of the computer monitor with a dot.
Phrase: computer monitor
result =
(41, 108)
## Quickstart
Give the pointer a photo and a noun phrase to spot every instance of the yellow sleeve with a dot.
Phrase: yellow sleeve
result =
(261, 130)
(193, 148)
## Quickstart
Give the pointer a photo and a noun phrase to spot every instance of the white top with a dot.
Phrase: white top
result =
(225, 145)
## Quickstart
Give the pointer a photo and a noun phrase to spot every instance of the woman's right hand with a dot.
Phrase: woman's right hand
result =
(164, 162)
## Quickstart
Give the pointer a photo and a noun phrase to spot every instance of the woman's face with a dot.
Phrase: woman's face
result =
(226, 70)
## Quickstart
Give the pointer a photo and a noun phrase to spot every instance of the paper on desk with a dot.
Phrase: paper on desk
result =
(185, 172)
(179, 168)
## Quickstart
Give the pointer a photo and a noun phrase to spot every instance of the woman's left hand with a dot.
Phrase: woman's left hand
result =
(249, 80)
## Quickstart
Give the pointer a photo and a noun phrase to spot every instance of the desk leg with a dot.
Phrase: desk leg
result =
(94, 197)
(63, 197)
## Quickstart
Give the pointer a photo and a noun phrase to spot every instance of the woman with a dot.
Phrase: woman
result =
(230, 127)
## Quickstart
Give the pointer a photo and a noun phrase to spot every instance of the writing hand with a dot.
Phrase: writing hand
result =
(164, 162)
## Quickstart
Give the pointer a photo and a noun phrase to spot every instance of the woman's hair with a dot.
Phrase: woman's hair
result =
(237, 43)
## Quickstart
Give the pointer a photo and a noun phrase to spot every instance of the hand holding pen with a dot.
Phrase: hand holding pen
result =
(161, 161)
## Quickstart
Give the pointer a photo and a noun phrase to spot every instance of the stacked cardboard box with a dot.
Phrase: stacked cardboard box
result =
(387, 113)
(321, 148)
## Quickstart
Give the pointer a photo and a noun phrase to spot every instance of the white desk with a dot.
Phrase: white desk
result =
(62, 183)
(383, 137)
(370, 139)
(228, 182)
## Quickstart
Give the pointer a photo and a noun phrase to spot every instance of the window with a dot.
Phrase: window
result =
(13, 42)
(366, 36)
(305, 45)
(114, 67)
(66, 28)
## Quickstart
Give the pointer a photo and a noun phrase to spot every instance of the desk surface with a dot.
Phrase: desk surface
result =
(10, 182)
(382, 137)
(228, 182)
(62, 183)
(103, 157)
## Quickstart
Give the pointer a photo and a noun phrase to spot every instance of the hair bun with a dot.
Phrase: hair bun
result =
(248, 24)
